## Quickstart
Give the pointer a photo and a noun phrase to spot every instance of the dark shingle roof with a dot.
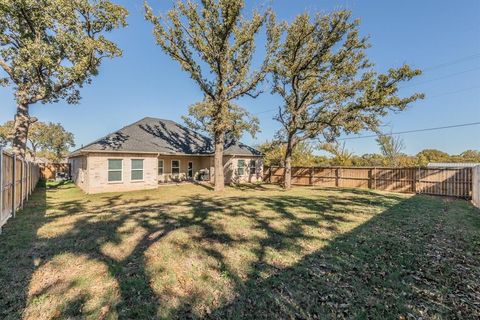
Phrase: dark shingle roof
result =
(162, 136)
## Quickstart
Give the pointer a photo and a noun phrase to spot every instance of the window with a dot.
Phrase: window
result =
(190, 169)
(253, 167)
(115, 170)
(160, 167)
(241, 167)
(175, 167)
(137, 169)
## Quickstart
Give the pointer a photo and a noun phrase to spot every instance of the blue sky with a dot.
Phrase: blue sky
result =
(440, 36)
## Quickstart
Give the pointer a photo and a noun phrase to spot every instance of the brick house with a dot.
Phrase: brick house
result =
(154, 151)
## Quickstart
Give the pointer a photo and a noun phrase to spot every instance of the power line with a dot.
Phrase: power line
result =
(428, 97)
(266, 111)
(452, 92)
(416, 130)
(439, 78)
(448, 63)
(452, 62)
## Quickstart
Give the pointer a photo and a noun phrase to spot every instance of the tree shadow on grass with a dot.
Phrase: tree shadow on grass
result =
(398, 264)
(114, 238)
(17, 243)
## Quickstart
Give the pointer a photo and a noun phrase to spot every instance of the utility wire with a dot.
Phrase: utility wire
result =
(439, 78)
(441, 65)
(412, 131)
(451, 62)
(452, 92)
(428, 97)
(266, 111)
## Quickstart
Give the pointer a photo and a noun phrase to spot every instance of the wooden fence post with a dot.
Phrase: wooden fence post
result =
(13, 184)
(22, 175)
(312, 183)
(27, 180)
(1, 187)
(414, 181)
(370, 179)
(337, 177)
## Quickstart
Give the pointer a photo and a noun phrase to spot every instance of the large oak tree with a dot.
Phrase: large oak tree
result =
(328, 84)
(215, 44)
(50, 48)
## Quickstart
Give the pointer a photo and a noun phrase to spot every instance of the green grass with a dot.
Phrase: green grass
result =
(250, 252)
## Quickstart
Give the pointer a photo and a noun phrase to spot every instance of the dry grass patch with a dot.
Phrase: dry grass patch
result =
(69, 285)
(255, 251)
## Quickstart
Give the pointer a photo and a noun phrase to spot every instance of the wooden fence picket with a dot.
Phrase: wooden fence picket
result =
(455, 182)
(18, 178)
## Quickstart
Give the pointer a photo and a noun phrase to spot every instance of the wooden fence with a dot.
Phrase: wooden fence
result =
(49, 170)
(18, 178)
(455, 182)
(476, 186)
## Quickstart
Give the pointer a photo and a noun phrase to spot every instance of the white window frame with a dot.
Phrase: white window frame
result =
(238, 167)
(163, 167)
(108, 170)
(171, 168)
(143, 170)
(189, 170)
(254, 167)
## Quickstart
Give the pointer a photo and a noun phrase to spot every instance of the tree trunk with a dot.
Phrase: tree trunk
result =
(287, 177)
(33, 151)
(22, 122)
(219, 179)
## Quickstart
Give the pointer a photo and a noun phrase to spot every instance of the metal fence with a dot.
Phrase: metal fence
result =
(18, 178)
(455, 182)
(476, 186)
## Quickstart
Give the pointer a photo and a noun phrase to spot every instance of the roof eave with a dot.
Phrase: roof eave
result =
(85, 152)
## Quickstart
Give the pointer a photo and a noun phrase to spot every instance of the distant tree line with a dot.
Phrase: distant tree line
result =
(339, 155)
(45, 140)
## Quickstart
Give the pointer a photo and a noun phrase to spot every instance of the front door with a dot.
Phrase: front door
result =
(190, 170)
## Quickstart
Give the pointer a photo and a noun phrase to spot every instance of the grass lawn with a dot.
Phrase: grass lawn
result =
(252, 252)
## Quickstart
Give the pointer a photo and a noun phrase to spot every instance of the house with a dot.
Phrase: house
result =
(154, 151)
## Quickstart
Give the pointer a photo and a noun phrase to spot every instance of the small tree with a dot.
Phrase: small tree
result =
(341, 155)
(471, 155)
(431, 155)
(6, 133)
(327, 84)
(57, 141)
(50, 48)
(302, 154)
(391, 148)
(214, 36)
(37, 138)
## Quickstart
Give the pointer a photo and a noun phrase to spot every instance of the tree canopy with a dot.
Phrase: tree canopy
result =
(341, 156)
(303, 154)
(327, 83)
(50, 48)
(215, 44)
